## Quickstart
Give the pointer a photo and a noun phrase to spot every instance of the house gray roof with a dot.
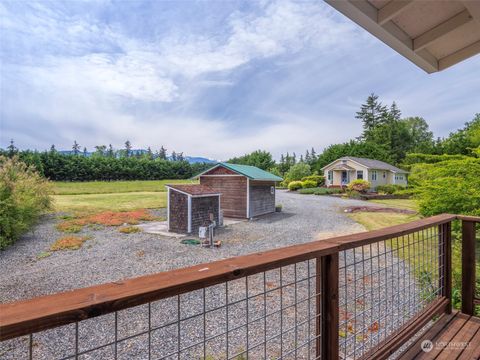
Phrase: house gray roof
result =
(374, 164)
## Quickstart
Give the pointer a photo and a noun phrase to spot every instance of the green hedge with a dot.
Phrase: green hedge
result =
(389, 188)
(24, 196)
(320, 191)
(318, 179)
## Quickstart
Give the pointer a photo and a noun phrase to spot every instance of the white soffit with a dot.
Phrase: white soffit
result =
(433, 34)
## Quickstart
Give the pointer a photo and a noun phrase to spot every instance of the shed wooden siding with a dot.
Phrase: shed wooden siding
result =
(202, 207)
(178, 212)
(234, 193)
(262, 201)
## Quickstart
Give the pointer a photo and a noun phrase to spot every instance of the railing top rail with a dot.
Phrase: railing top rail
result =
(41, 313)
(469, 218)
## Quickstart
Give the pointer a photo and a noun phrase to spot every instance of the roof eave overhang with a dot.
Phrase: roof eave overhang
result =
(366, 15)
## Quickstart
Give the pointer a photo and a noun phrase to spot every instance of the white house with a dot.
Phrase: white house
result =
(346, 169)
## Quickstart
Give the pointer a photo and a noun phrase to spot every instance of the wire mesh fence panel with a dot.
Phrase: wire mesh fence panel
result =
(268, 315)
(385, 284)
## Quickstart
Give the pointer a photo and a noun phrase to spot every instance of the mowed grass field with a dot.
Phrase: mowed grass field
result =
(96, 196)
(378, 220)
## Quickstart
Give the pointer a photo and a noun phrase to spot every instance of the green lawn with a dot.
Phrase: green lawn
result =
(378, 220)
(108, 187)
(91, 203)
(409, 204)
(96, 196)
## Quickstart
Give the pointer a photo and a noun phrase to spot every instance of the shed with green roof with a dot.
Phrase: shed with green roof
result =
(247, 191)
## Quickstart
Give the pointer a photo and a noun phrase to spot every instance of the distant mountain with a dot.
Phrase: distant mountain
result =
(196, 159)
(190, 159)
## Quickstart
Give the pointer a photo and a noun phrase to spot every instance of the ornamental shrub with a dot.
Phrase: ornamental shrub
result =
(319, 180)
(295, 185)
(24, 196)
(298, 172)
(309, 184)
(389, 188)
(320, 191)
(451, 186)
(359, 185)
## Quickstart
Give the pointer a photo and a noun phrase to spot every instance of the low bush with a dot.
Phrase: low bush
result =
(361, 186)
(129, 229)
(295, 185)
(69, 227)
(389, 188)
(451, 186)
(319, 180)
(69, 243)
(320, 191)
(24, 196)
(106, 218)
(307, 184)
(297, 172)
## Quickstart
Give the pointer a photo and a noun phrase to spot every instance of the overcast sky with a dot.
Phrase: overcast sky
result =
(208, 78)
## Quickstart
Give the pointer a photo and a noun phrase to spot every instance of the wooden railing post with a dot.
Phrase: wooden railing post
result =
(468, 267)
(445, 231)
(327, 322)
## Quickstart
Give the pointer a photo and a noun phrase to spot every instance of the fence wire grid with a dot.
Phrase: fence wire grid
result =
(274, 314)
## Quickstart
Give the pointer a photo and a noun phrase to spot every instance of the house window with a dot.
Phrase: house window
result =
(330, 175)
(384, 174)
(374, 175)
(359, 174)
(344, 161)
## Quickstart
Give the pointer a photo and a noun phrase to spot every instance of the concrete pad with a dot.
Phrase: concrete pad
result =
(160, 228)
(232, 221)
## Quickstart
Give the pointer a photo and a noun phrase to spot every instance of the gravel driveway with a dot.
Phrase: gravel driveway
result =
(111, 256)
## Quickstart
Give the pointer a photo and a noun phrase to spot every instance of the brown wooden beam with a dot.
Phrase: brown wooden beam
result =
(329, 308)
(468, 267)
(446, 233)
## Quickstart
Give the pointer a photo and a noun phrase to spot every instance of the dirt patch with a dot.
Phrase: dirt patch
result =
(354, 209)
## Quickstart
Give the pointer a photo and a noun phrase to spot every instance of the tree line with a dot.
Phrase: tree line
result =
(386, 136)
(107, 164)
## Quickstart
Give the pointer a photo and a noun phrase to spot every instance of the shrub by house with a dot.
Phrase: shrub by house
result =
(24, 196)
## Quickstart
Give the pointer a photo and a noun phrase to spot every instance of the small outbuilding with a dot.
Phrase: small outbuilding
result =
(247, 191)
(192, 206)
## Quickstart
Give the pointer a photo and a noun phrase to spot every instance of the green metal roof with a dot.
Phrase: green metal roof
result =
(252, 172)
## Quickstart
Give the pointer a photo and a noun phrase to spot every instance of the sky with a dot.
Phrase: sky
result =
(206, 78)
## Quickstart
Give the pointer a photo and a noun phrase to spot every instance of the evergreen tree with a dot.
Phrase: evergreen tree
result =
(128, 148)
(372, 114)
(149, 153)
(173, 157)
(52, 149)
(110, 151)
(12, 150)
(307, 157)
(180, 157)
(313, 154)
(162, 153)
(301, 158)
(100, 150)
(76, 148)
(85, 152)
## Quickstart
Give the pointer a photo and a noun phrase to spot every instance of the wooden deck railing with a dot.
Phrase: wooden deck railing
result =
(355, 296)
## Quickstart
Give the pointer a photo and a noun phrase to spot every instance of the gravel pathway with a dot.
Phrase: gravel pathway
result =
(111, 256)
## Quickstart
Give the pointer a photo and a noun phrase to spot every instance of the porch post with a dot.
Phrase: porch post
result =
(468, 267)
